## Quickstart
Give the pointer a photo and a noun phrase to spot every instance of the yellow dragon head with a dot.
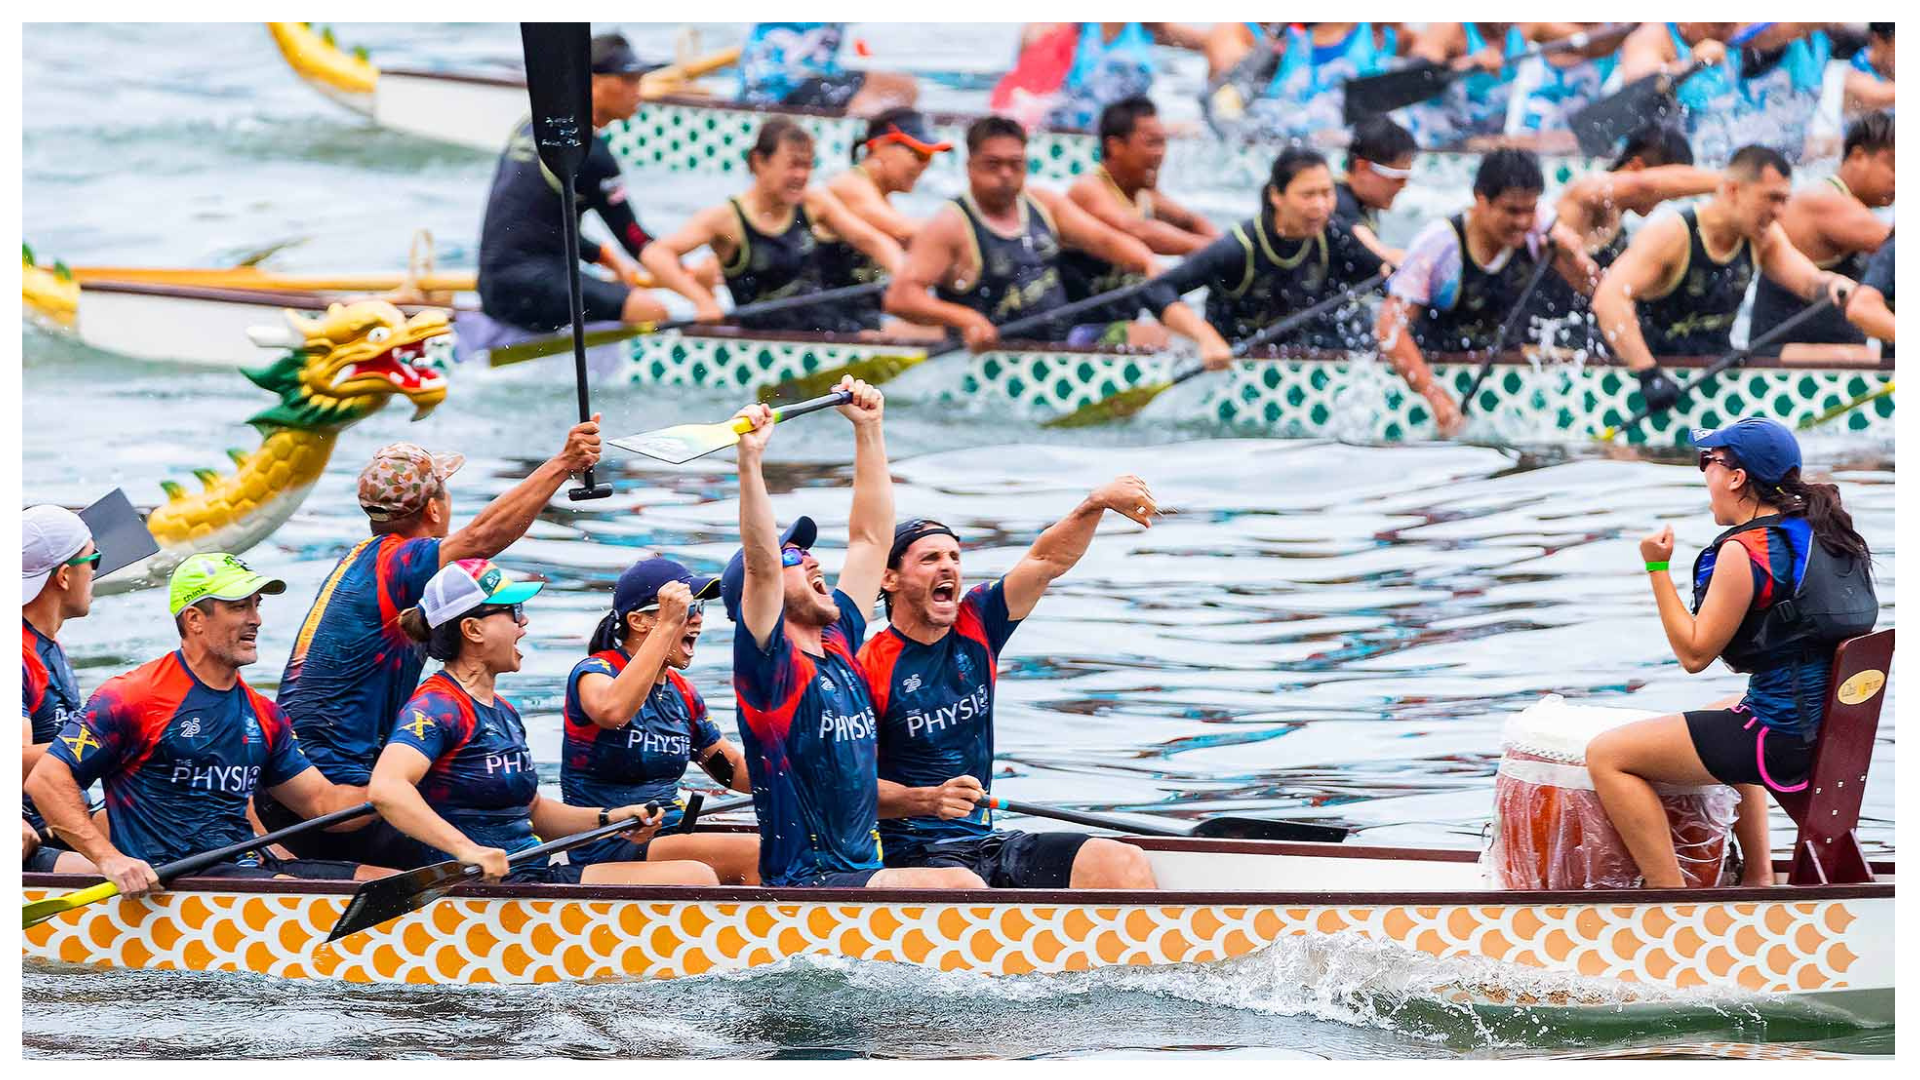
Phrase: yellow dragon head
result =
(353, 358)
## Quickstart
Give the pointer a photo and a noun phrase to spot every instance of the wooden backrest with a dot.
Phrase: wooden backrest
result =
(1827, 809)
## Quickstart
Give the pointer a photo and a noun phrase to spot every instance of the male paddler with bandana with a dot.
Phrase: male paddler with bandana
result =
(932, 676)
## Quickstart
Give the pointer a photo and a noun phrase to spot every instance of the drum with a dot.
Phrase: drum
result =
(1549, 830)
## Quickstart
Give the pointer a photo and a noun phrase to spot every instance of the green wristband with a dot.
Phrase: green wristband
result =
(1652, 567)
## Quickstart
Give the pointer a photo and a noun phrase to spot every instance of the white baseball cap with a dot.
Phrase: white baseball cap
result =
(49, 536)
(466, 584)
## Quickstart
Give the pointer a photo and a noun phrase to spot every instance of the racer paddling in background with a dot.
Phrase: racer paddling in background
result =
(932, 674)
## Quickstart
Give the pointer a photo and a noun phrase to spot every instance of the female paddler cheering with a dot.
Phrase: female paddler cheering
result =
(1772, 596)
(456, 774)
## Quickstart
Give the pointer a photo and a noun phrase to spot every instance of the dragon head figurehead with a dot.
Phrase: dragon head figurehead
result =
(351, 360)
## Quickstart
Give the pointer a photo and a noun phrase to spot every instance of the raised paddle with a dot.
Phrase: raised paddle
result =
(119, 532)
(559, 89)
(684, 442)
(1371, 95)
(1131, 400)
(41, 910)
(1711, 370)
(1514, 318)
(548, 346)
(1600, 125)
(391, 897)
(1213, 828)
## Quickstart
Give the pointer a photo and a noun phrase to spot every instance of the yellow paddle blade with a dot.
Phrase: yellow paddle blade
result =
(1115, 407)
(682, 443)
(561, 343)
(41, 910)
(1847, 407)
(873, 369)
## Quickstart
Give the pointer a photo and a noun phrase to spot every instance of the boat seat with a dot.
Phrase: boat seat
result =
(1827, 809)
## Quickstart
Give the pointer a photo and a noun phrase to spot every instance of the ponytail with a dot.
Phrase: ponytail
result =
(413, 623)
(443, 642)
(1820, 505)
(607, 634)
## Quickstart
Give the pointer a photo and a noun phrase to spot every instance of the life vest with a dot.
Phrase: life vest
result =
(1832, 600)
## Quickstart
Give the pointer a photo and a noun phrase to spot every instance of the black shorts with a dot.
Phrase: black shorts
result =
(270, 867)
(549, 874)
(374, 844)
(44, 860)
(536, 299)
(611, 849)
(827, 92)
(1737, 748)
(1010, 860)
(841, 879)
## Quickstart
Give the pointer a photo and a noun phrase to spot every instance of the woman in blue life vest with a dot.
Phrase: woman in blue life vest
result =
(633, 723)
(1773, 595)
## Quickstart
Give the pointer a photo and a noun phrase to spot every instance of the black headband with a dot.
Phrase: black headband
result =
(906, 535)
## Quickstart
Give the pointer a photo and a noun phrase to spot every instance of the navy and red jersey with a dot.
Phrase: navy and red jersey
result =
(807, 726)
(178, 759)
(1789, 696)
(935, 704)
(351, 667)
(482, 780)
(642, 761)
(49, 695)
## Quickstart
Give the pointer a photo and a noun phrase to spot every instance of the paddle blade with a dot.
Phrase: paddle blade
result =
(1247, 828)
(1108, 409)
(873, 369)
(1599, 127)
(1383, 93)
(118, 531)
(681, 443)
(391, 897)
(41, 910)
(559, 87)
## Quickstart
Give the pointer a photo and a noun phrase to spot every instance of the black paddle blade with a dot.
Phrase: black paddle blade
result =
(1246, 828)
(1599, 127)
(1387, 91)
(559, 87)
(391, 897)
(118, 531)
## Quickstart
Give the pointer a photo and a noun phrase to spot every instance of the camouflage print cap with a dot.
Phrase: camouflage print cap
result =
(401, 478)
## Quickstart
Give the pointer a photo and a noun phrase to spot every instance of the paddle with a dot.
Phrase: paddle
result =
(248, 277)
(1371, 95)
(1131, 400)
(1214, 828)
(1736, 356)
(1847, 407)
(391, 897)
(1513, 321)
(119, 533)
(42, 910)
(547, 346)
(1647, 100)
(684, 442)
(559, 89)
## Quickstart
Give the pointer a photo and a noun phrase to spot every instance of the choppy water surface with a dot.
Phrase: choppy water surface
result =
(1319, 630)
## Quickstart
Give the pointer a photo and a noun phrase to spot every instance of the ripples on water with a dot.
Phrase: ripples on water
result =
(1320, 630)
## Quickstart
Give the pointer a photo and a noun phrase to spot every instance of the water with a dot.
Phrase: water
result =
(1318, 631)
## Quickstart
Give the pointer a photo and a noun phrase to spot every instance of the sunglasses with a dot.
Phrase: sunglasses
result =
(1708, 457)
(792, 556)
(518, 611)
(84, 560)
(698, 607)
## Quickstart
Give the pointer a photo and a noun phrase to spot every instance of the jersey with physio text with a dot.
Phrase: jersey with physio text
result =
(49, 695)
(807, 726)
(935, 704)
(641, 761)
(482, 780)
(351, 665)
(178, 759)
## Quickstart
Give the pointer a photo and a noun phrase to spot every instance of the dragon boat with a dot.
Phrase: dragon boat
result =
(1445, 924)
(682, 132)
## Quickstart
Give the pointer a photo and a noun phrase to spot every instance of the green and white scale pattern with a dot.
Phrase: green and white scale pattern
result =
(713, 140)
(1359, 399)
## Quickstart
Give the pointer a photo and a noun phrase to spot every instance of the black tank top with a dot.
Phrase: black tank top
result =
(1773, 305)
(1569, 313)
(1276, 277)
(1087, 275)
(772, 266)
(1018, 275)
(1694, 317)
(1486, 299)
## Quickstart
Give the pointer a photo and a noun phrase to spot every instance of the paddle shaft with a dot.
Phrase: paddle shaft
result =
(1078, 817)
(1598, 125)
(1847, 407)
(1736, 356)
(1052, 315)
(1289, 324)
(1514, 319)
(1441, 77)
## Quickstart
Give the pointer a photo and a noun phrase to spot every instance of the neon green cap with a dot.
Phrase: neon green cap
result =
(218, 575)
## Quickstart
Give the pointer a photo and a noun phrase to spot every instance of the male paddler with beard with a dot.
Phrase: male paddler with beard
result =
(932, 677)
(806, 720)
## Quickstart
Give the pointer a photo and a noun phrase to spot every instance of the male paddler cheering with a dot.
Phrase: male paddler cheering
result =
(57, 561)
(352, 667)
(181, 743)
(806, 720)
(932, 676)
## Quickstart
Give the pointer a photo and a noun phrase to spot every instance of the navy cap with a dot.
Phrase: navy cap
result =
(643, 580)
(611, 55)
(801, 534)
(1766, 449)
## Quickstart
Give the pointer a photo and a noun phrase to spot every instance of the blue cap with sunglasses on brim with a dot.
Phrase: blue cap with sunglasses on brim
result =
(1765, 448)
(640, 586)
(733, 580)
